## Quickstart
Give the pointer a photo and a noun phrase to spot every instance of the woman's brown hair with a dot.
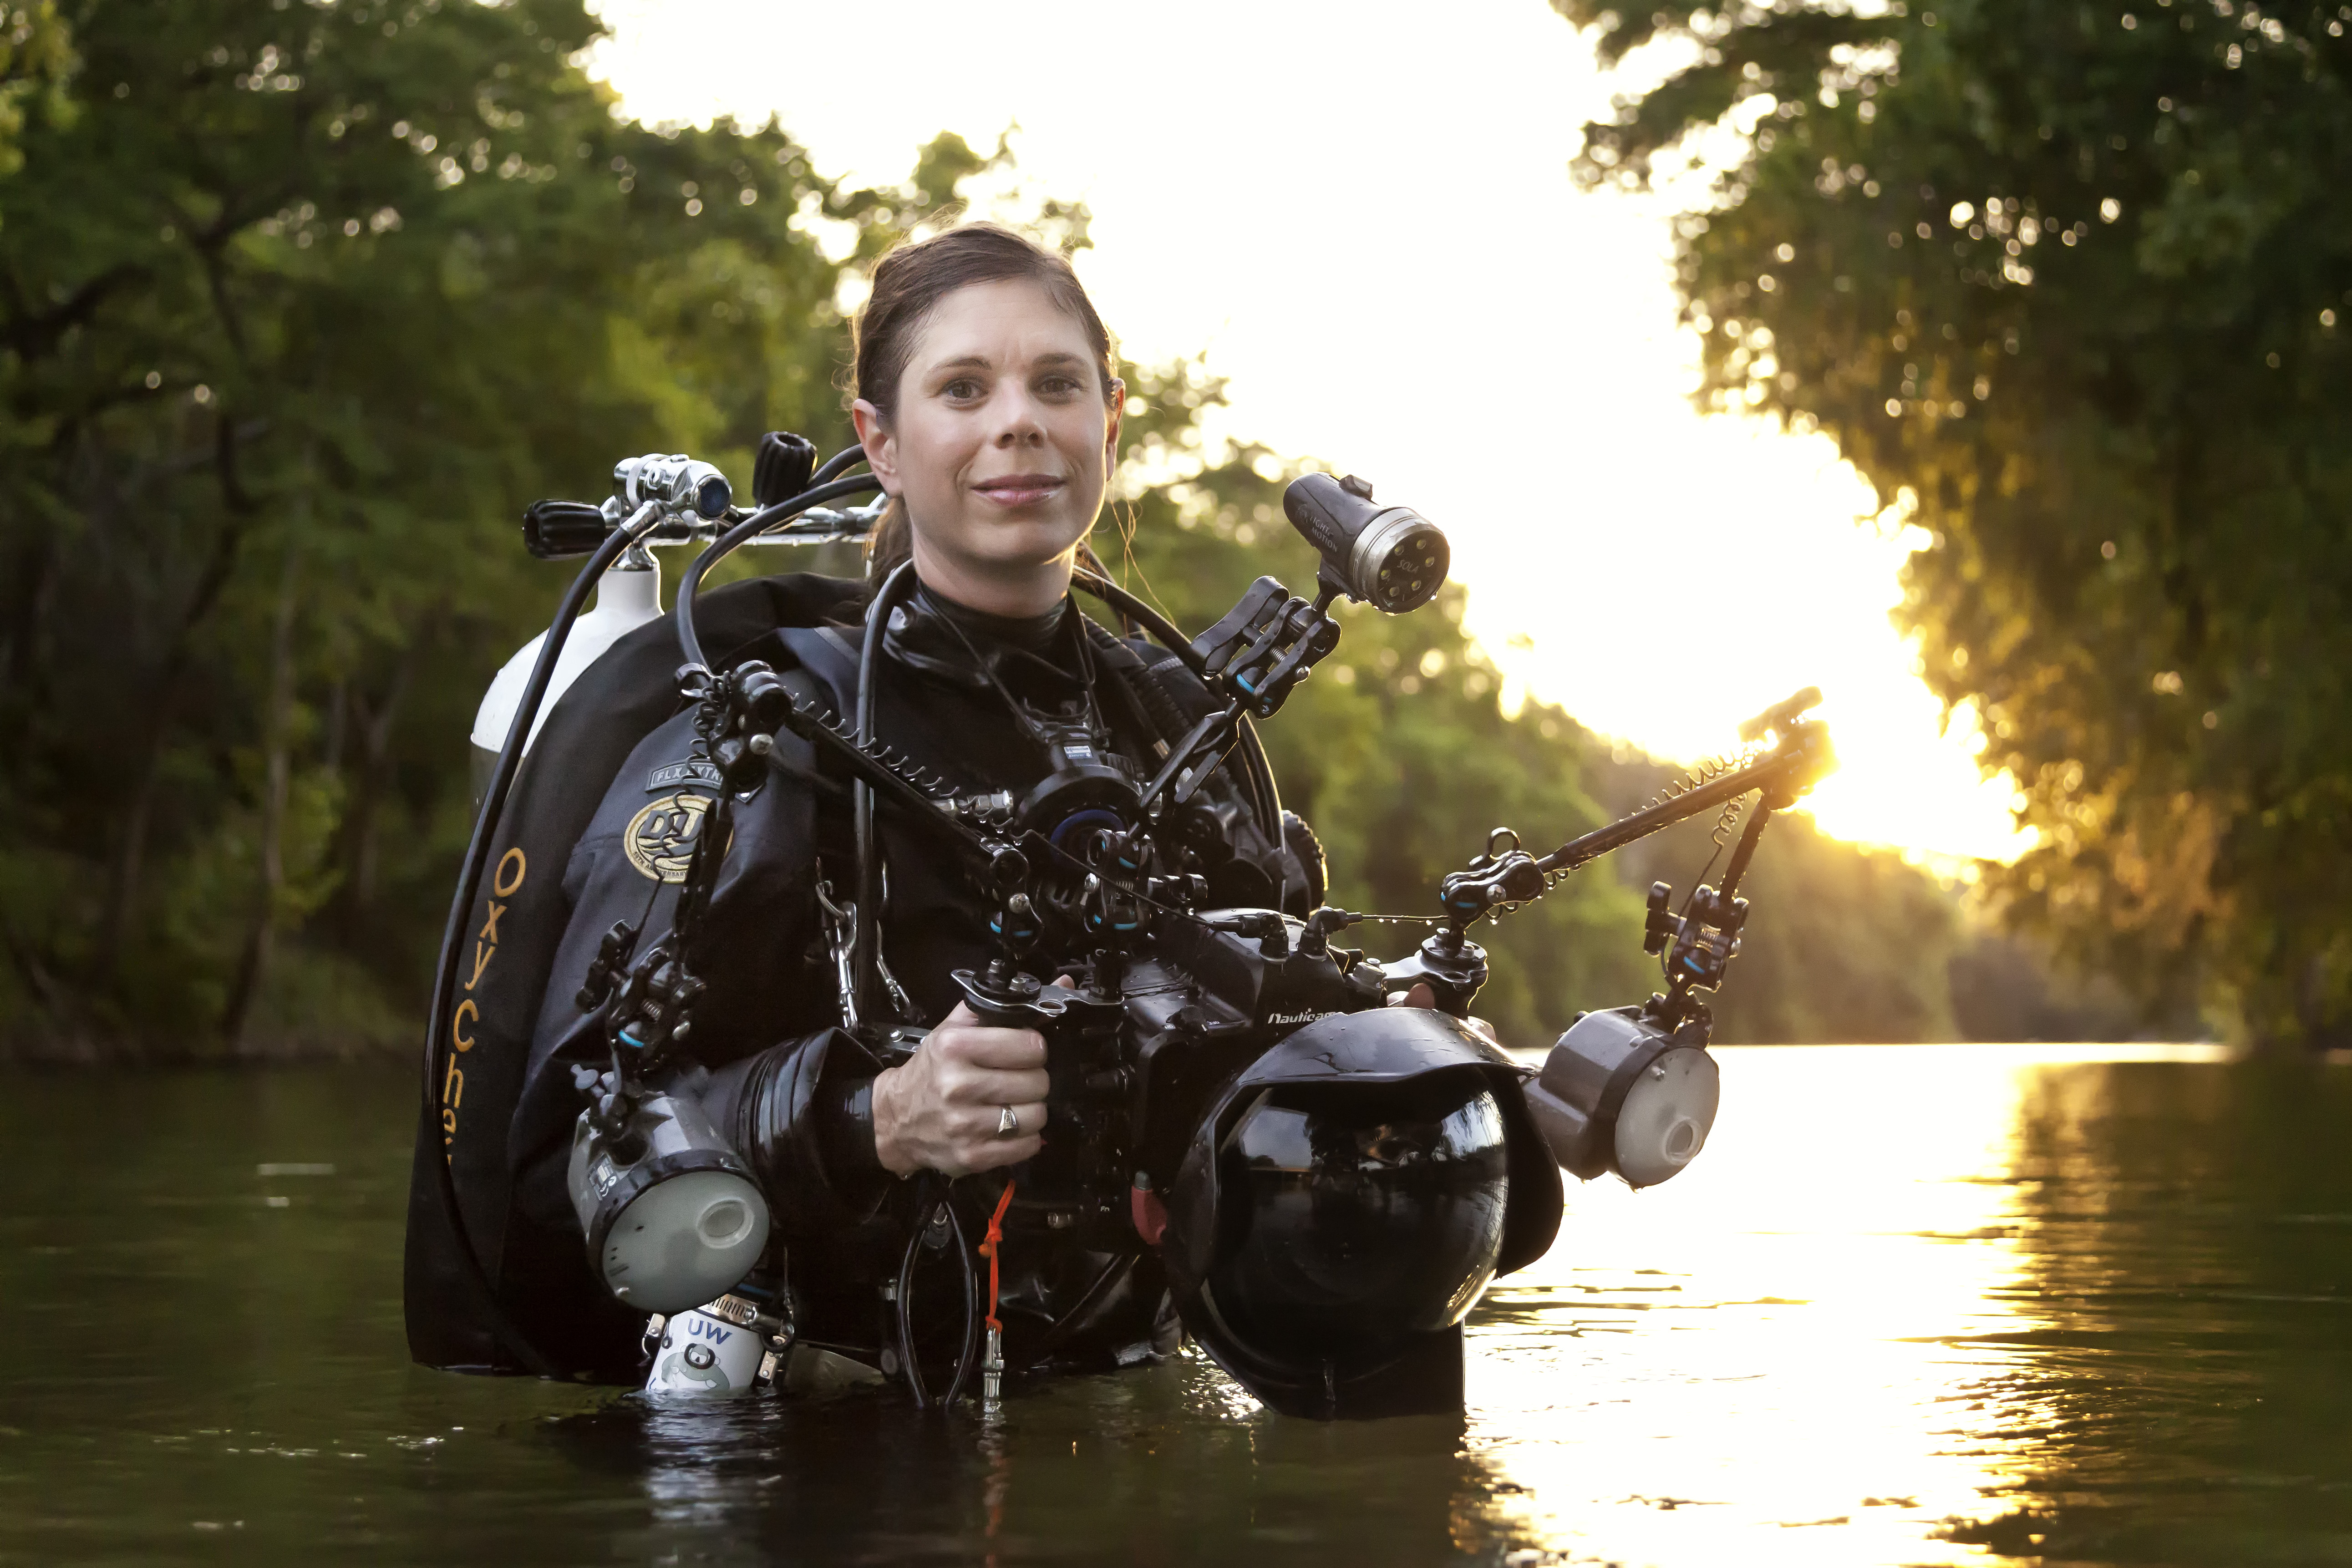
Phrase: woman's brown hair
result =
(909, 284)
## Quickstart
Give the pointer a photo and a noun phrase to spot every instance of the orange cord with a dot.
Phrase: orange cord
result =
(988, 1250)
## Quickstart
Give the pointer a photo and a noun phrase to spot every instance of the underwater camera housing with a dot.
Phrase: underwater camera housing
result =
(1329, 1180)
(1344, 1205)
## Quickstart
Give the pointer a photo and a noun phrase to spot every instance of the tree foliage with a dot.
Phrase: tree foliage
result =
(300, 306)
(2065, 280)
(36, 59)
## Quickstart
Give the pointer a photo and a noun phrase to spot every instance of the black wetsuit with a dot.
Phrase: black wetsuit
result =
(787, 1084)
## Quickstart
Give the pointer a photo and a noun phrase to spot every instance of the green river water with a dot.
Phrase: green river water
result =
(1915, 1305)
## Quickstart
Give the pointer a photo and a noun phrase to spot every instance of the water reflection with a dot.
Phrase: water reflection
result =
(1920, 1306)
(1915, 1305)
(2177, 1385)
(1173, 1463)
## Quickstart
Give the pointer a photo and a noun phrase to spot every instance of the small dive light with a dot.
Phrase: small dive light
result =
(672, 1216)
(1389, 557)
(676, 482)
(1620, 1094)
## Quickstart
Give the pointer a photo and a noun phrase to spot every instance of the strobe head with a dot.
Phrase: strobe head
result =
(676, 482)
(1620, 1095)
(671, 1215)
(1389, 557)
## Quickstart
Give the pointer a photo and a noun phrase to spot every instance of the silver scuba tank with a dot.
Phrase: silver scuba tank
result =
(628, 597)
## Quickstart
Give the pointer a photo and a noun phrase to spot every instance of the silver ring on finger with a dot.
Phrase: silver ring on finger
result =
(1007, 1125)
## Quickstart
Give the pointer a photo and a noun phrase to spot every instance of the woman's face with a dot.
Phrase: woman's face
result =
(1000, 446)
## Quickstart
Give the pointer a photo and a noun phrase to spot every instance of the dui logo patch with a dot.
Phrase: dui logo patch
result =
(661, 837)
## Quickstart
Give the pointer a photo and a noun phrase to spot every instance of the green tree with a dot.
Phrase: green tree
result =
(36, 62)
(297, 310)
(2065, 280)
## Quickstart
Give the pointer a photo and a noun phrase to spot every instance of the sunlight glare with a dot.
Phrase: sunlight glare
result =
(1781, 1353)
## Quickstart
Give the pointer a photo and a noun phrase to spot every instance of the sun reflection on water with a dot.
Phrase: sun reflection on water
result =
(1781, 1356)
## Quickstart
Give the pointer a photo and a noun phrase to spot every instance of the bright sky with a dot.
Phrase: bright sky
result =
(1363, 215)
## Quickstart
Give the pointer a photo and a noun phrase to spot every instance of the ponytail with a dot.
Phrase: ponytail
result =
(891, 543)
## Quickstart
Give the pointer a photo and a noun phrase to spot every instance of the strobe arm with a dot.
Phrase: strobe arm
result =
(1698, 944)
(1504, 876)
(1799, 758)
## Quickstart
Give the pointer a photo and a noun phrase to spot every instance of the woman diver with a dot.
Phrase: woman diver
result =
(988, 409)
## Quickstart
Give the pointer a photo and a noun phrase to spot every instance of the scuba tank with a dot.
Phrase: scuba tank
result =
(628, 596)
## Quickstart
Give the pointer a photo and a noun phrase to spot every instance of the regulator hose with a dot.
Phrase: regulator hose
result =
(838, 464)
(866, 914)
(689, 645)
(934, 1195)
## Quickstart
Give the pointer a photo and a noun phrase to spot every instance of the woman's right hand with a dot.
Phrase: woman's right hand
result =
(940, 1111)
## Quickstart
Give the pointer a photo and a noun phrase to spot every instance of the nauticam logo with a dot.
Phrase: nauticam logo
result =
(1279, 1019)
